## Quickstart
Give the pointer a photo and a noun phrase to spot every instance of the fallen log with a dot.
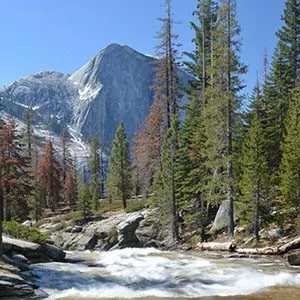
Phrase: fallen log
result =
(212, 246)
(232, 247)
(258, 251)
(294, 244)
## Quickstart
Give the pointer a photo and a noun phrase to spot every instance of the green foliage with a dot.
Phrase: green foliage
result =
(96, 167)
(17, 230)
(113, 236)
(166, 185)
(84, 202)
(254, 183)
(136, 205)
(118, 182)
(280, 82)
(290, 166)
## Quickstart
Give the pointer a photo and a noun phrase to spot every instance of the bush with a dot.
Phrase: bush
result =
(136, 204)
(17, 230)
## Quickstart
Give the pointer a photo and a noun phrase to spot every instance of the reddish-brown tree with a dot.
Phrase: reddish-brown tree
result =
(49, 176)
(146, 149)
(70, 189)
(14, 178)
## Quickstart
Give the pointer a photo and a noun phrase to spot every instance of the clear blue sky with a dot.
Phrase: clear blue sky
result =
(62, 35)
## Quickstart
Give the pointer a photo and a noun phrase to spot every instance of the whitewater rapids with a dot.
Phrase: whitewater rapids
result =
(155, 274)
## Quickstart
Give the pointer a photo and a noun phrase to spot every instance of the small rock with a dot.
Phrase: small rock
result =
(27, 223)
(69, 229)
(76, 229)
(294, 258)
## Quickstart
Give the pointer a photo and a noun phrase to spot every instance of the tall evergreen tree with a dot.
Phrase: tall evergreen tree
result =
(166, 89)
(84, 201)
(192, 167)
(96, 167)
(118, 182)
(280, 82)
(220, 113)
(290, 167)
(254, 182)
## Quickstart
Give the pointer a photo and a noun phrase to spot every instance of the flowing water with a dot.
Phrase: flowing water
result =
(155, 274)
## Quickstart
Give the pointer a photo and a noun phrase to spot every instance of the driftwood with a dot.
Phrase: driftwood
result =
(211, 246)
(259, 251)
(231, 247)
(294, 244)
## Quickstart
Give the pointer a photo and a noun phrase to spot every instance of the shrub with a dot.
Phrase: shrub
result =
(136, 204)
(17, 230)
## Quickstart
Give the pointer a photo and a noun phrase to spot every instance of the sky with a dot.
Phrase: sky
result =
(62, 35)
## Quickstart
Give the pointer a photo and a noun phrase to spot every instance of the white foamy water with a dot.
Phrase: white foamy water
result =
(141, 273)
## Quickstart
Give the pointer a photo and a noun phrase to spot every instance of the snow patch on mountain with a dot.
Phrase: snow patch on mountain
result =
(89, 92)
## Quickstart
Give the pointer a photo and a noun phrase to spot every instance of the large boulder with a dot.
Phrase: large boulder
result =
(221, 221)
(53, 252)
(34, 252)
(126, 231)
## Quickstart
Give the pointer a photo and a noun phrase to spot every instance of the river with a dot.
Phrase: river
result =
(155, 274)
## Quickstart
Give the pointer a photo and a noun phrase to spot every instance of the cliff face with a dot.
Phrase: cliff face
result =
(112, 86)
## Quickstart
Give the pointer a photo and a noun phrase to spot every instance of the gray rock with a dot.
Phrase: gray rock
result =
(221, 221)
(149, 228)
(126, 231)
(21, 261)
(13, 285)
(294, 258)
(28, 249)
(76, 229)
(53, 252)
(34, 252)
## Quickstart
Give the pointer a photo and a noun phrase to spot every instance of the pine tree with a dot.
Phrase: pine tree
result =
(49, 176)
(96, 167)
(166, 90)
(281, 81)
(220, 113)
(14, 177)
(118, 182)
(254, 182)
(166, 181)
(84, 202)
(66, 160)
(147, 148)
(70, 189)
(192, 167)
(290, 167)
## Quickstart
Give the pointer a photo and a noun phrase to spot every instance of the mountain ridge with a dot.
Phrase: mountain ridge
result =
(112, 86)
